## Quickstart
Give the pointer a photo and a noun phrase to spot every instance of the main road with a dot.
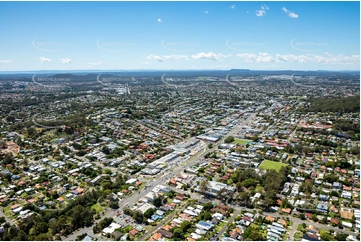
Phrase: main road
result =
(135, 197)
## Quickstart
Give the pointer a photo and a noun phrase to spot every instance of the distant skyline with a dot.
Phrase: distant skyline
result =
(179, 35)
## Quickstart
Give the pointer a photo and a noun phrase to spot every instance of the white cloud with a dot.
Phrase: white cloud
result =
(289, 13)
(154, 57)
(175, 57)
(327, 58)
(233, 6)
(293, 15)
(145, 63)
(5, 61)
(289, 58)
(44, 59)
(66, 60)
(95, 63)
(206, 12)
(166, 57)
(210, 56)
(159, 20)
(261, 12)
(264, 7)
(261, 57)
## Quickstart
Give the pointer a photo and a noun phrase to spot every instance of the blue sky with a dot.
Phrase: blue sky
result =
(179, 35)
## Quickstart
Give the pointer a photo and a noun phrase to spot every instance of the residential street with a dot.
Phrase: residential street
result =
(2, 214)
(235, 214)
(149, 233)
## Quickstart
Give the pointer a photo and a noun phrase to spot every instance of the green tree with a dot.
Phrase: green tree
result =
(172, 194)
(250, 183)
(341, 236)
(178, 234)
(204, 186)
(207, 206)
(22, 236)
(229, 139)
(306, 187)
(41, 228)
(252, 234)
(149, 213)
(326, 237)
(314, 217)
(185, 225)
(158, 201)
(114, 205)
(138, 216)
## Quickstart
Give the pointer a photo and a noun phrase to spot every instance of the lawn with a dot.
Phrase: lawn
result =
(7, 211)
(97, 208)
(259, 188)
(241, 141)
(300, 228)
(126, 229)
(289, 223)
(298, 235)
(141, 186)
(268, 164)
(219, 227)
(324, 231)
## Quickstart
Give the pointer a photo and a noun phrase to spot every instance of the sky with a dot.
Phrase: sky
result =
(179, 35)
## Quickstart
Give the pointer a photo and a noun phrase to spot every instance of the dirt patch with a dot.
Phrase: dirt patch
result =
(346, 213)
(10, 147)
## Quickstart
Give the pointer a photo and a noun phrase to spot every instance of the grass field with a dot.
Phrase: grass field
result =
(268, 164)
(241, 141)
(97, 208)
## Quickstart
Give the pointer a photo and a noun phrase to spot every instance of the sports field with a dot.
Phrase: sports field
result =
(268, 164)
(241, 141)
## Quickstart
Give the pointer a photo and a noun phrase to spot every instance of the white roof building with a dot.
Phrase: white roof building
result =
(346, 224)
(111, 228)
(218, 216)
(145, 207)
(131, 181)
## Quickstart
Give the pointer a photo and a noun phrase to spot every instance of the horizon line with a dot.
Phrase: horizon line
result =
(153, 70)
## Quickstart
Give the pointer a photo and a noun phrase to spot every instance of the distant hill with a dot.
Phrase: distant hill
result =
(84, 75)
